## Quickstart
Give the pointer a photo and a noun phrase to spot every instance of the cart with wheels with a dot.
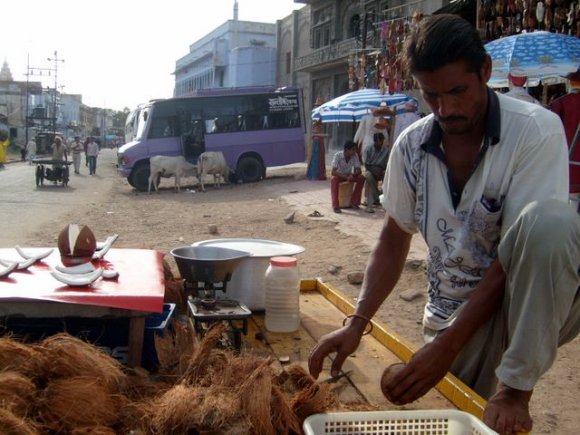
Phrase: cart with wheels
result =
(56, 171)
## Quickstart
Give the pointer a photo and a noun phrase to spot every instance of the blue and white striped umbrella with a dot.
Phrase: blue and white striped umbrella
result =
(535, 54)
(354, 105)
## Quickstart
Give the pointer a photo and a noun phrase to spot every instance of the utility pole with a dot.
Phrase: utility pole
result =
(33, 71)
(27, 114)
(56, 60)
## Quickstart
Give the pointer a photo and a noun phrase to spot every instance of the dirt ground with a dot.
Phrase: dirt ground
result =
(167, 220)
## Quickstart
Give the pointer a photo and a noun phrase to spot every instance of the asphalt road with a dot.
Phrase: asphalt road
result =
(25, 208)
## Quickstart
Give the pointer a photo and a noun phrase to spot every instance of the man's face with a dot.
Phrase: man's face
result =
(348, 152)
(457, 98)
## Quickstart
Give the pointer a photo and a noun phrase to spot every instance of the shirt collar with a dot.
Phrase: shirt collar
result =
(433, 133)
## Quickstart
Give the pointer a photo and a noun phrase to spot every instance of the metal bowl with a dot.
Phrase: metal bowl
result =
(208, 264)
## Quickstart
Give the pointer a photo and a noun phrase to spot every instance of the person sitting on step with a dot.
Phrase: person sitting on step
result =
(375, 160)
(346, 167)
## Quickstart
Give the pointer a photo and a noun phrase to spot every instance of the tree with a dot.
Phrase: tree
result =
(119, 117)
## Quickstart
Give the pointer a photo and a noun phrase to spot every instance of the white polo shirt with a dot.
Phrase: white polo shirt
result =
(523, 158)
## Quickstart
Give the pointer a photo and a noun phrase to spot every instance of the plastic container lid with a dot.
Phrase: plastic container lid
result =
(283, 261)
(257, 248)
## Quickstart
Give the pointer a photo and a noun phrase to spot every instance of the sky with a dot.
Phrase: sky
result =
(116, 53)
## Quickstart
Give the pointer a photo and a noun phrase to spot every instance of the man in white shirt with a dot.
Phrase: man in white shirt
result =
(485, 181)
(92, 153)
(346, 167)
(406, 118)
(76, 148)
(518, 91)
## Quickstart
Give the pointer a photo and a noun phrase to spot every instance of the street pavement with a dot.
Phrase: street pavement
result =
(310, 196)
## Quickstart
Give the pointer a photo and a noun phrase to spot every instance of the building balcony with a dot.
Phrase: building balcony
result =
(325, 56)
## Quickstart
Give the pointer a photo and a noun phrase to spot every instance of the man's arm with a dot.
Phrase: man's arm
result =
(430, 364)
(335, 173)
(382, 273)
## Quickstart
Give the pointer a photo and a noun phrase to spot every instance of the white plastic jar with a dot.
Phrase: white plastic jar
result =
(282, 284)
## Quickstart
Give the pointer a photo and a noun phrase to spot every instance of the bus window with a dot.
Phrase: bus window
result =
(163, 127)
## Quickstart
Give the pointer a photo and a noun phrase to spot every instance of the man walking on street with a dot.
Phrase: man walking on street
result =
(76, 149)
(92, 153)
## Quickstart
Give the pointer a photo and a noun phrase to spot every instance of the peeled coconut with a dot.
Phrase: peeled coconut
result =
(388, 376)
(76, 244)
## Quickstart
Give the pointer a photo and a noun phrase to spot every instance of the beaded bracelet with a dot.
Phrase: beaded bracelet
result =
(350, 316)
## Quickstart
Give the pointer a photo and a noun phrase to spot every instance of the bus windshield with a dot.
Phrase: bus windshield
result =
(135, 123)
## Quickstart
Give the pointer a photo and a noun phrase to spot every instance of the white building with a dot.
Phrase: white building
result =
(237, 53)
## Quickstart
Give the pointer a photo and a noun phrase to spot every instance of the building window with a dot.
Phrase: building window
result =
(322, 36)
(288, 62)
(321, 20)
(354, 27)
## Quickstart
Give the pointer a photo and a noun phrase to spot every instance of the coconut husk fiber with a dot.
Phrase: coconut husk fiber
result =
(20, 357)
(93, 430)
(206, 360)
(306, 396)
(186, 408)
(68, 356)
(175, 350)
(11, 424)
(81, 401)
(16, 393)
(256, 394)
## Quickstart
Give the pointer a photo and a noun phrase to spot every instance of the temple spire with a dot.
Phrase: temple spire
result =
(5, 74)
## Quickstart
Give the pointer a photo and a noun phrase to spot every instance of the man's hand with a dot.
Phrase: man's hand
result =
(343, 341)
(427, 367)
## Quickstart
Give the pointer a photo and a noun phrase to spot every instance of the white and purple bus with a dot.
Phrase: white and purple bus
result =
(254, 127)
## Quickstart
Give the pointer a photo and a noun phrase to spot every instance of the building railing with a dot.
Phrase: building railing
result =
(330, 53)
(337, 51)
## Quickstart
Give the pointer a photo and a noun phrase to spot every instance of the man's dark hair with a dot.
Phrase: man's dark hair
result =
(439, 40)
(379, 137)
(349, 144)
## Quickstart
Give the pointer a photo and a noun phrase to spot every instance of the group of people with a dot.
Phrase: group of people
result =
(370, 148)
(484, 179)
(60, 150)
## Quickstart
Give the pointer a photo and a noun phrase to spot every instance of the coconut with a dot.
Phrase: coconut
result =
(76, 244)
(387, 377)
(21, 358)
(13, 425)
(80, 401)
(16, 393)
(68, 356)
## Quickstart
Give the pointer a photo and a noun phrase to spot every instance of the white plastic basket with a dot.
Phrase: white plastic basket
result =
(428, 422)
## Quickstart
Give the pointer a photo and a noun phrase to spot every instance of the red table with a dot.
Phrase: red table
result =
(138, 290)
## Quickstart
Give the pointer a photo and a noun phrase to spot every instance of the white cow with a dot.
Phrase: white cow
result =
(211, 162)
(167, 166)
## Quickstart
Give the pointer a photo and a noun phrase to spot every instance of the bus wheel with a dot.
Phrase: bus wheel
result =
(250, 169)
(139, 177)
